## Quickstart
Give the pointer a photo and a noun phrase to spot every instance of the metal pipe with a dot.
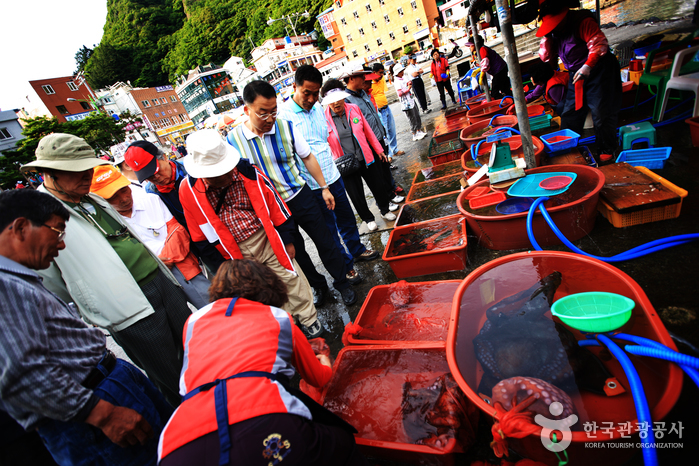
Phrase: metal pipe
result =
(472, 19)
(508, 42)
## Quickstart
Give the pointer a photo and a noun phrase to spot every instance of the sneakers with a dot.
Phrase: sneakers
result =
(314, 330)
(444, 107)
(390, 216)
(427, 110)
(398, 199)
(400, 152)
(372, 226)
(419, 135)
(353, 277)
(392, 167)
(319, 295)
(393, 207)
(349, 296)
(367, 255)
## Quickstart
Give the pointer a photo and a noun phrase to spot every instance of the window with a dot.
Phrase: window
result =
(183, 117)
(349, 37)
(145, 103)
(368, 8)
(48, 89)
(356, 15)
(343, 21)
(373, 24)
(338, 4)
(400, 11)
(145, 135)
(72, 86)
(414, 5)
(174, 110)
(361, 31)
(85, 106)
(4, 134)
(378, 42)
(418, 22)
(163, 100)
(392, 36)
(157, 114)
(174, 119)
(173, 98)
(169, 112)
(405, 29)
(448, 13)
(156, 102)
(386, 18)
(107, 100)
(366, 47)
(62, 109)
(382, 2)
(354, 54)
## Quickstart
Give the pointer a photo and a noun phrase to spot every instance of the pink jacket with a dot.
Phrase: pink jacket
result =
(361, 130)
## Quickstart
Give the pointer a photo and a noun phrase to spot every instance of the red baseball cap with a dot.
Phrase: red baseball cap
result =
(549, 22)
(141, 157)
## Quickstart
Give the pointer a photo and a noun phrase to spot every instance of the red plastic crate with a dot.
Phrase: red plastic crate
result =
(437, 260)
(487, 200)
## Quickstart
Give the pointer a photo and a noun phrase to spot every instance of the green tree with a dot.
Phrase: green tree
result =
(81, 58)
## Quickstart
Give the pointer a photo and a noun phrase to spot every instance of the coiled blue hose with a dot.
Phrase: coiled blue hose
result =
(505, 128)
(638, 251)
(503, 100)
(650, 457)
(683, 359)
(474, 153)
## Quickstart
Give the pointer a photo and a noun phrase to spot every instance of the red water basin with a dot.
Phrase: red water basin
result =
(436, 187)
(467, 134)
(516, 150)
(532, 110)
(449, 129)
(508, 275)
(438, 171)
(407, 313)
(475, 100)
(423, 248)
(368, 389)
(574, 212)
(456, 112)
(487, 110)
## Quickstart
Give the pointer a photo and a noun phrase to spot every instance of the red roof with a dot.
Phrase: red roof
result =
(333, 59)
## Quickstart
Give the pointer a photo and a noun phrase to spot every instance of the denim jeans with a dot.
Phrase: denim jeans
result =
(390, 125)
(78, 443)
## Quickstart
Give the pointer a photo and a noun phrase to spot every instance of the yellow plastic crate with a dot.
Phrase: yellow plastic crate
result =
(654, 214)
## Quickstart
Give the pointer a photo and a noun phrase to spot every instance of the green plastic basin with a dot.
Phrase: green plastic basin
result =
(594, 311)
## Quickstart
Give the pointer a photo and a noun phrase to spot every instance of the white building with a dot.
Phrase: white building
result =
(205, 91)
(117, 99)
(240, 74)
(453, 11)
(10, 130)
(277, 59)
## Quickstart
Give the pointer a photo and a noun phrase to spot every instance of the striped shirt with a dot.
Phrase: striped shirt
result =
(46, 350)
(314, 129)
(276, 154)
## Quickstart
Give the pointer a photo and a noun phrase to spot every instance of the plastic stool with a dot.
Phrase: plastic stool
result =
(638, 132)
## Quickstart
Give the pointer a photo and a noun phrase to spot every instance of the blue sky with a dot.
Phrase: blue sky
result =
(39, 39)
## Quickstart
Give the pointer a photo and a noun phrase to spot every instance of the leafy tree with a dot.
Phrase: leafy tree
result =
(81, 58)
(408, 50)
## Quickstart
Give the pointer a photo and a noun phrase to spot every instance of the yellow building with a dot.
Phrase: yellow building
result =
(373, 29)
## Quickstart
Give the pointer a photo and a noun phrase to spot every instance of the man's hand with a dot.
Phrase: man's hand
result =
(582, 73)
(123, 426)
(329, 199)
(290, 250)
(324, 360)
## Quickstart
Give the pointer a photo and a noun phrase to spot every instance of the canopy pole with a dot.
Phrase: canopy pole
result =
(472, 19)
(508, 41)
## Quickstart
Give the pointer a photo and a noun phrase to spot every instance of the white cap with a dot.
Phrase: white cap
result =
(355, 69)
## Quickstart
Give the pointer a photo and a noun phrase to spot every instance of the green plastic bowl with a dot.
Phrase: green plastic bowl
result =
(595, 311)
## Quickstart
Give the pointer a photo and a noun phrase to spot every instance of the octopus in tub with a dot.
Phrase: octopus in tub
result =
(510, 392)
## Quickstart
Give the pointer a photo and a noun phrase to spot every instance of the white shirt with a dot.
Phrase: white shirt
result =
(401, 84)
(410, 70)
(149, 218)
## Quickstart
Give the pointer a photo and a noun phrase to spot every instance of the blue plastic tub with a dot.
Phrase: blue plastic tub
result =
(644, 50)
(569, 143)
(652, 158)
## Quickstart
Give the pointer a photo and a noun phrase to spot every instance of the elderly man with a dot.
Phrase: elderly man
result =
(304, 111)
(58, 377)
(279, 150)
(112, 277)
(232, 205)
(157, 228)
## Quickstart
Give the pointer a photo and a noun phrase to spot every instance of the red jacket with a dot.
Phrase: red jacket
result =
(362, 133)
(257, 337)
(205, 226)
(438, 67)
(559, 79)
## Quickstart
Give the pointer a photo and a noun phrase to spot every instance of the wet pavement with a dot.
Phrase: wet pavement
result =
(669, 278)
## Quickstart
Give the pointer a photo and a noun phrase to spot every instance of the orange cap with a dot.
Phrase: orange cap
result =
(107, 180)
(549, 22)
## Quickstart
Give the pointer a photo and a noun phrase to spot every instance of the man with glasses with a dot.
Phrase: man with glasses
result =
(379, 92)
(58, 377)
(106, 270)
(276, 148)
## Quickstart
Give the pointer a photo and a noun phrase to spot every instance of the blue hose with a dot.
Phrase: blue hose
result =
(639, 251)
(650, 457)
(490, 123)
(503, 100)
(505, 128)
(668, 355)
(474, 153)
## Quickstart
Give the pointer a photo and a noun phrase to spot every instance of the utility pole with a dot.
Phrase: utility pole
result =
(508, 41)
(472, 19)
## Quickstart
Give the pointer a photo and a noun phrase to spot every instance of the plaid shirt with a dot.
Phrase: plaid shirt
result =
(237, 212)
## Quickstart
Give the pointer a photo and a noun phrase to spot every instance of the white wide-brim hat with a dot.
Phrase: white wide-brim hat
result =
(398, 68)
(334, 95)
(209, 155)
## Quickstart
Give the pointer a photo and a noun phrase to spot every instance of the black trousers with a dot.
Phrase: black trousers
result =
(376, 182)
(602, 97)
(280, 438)
(501, 84)
(441, 85)
(419, 89)
(307, 215)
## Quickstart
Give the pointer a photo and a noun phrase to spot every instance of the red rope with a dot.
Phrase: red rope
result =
(350, 329)
(515, 423)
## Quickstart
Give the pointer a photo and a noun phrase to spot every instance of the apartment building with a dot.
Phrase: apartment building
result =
(277, 59)
(66, 98)
(163, 110)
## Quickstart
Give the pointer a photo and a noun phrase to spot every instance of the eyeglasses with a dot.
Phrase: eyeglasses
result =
(266, 116)
(61, 233)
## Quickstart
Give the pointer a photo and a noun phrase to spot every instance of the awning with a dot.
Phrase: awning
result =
(421, 33)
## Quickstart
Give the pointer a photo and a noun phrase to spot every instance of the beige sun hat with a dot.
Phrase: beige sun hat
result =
(64, 152)
(209, 155)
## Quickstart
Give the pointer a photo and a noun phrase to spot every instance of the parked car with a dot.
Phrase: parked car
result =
(422, 56)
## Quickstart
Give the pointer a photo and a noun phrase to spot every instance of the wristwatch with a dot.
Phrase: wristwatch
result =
(324, 187)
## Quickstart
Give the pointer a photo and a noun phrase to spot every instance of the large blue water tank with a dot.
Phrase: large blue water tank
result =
(287, 39)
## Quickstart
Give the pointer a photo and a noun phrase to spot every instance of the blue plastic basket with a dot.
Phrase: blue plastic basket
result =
(652, 158)
(644, 50)
(562, 145)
